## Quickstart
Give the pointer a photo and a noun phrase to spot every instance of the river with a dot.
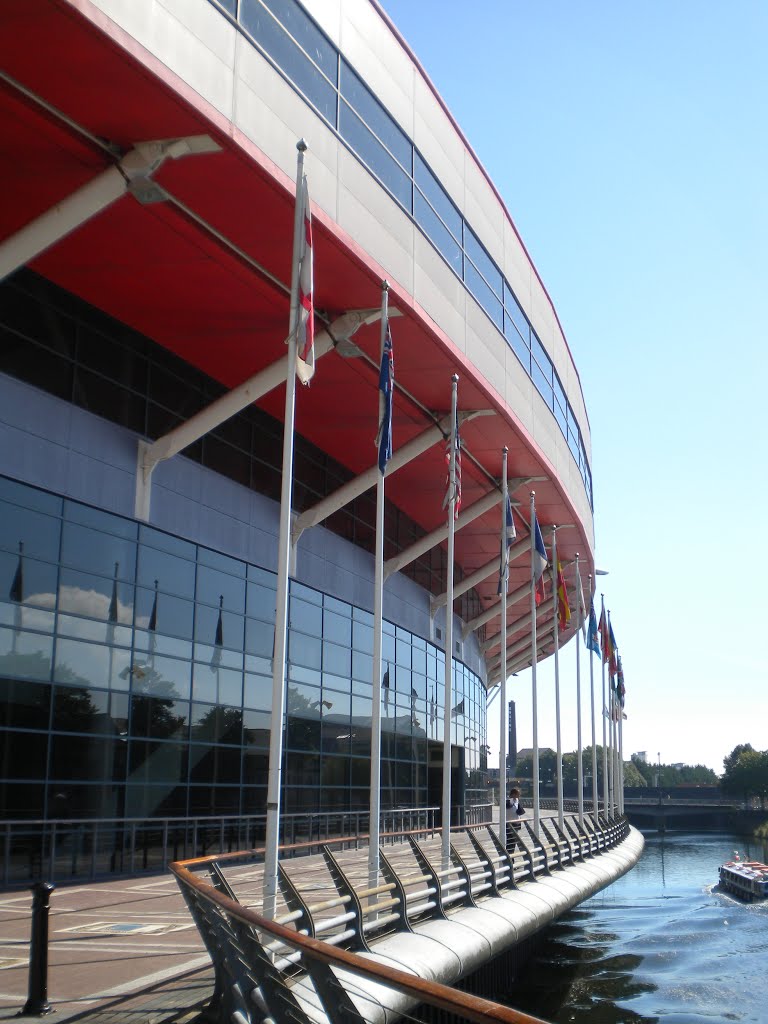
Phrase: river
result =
(660, 944)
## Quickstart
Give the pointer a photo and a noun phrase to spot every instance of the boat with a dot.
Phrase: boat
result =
(747, 879)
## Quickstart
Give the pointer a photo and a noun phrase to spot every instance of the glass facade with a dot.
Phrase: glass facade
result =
(294, 44)
(136, 680)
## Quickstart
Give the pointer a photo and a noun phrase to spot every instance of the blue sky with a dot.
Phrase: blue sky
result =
(629, 143)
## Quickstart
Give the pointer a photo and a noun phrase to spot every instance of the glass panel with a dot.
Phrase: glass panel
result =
(305, 617)
(256, 725)
(25, 755)
(25, 655)
(167, 677)
(516, 315)
(82, 664)
(337, 660)
(482, 261)
(174, 575)
(543, 385)
(98, 520)
(370, 111)
(96, 597)
(261, 602)
(218, 686)
(212, 585)
(39, 533)
(24, 705)
(306, 34)
(287, 55)
(376, 158)
(304, 650)
(337, 628)
(435, 230)
(437, 197)
(25, 582)
(541, 357)
(483, 294)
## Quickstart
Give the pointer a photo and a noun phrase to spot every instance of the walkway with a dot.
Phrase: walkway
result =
(121, 952)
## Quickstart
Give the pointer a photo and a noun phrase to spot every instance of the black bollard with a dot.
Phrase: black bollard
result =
(37, 1003)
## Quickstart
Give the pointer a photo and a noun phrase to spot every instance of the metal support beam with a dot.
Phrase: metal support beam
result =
(493, 610)
(411, 553)
(233, 402)
(517, 625)
(518, 662)
(492, 641)
(135, 168)
(360, 484)
(478, 576)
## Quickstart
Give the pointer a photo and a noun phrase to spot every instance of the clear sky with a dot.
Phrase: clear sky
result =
(629, 143)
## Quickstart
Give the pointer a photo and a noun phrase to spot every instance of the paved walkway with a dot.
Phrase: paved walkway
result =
(118, 952)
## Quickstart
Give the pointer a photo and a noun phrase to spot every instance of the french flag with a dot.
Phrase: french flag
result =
(540, 562)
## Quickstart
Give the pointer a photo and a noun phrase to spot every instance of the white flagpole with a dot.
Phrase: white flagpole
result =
(605, 711)
(611, 730)
(283, 556)
(534, 696)
(503, 681)
(595, 807)
(579, 752)
(446, 844)
(556, 589)
(378, 603)
(621, 759)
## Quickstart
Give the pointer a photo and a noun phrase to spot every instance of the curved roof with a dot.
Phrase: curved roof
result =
(205, 273)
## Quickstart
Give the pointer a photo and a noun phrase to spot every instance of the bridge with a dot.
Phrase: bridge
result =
(668, 813)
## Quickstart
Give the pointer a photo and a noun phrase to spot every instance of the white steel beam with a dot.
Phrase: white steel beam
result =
(492, 641)
(493, 610)
(516, 626)
(519, 662)
(63, 217)
(360, 484)
(413, 551)
(479, 575)
(233, 402)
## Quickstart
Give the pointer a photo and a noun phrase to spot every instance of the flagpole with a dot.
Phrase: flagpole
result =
(605, 740)
(534, 696)
(283, 558)
(613, 721)
(503, 681)
(595, 807)
(556, 591)
(378, 602)
(446, 816)
(579, 752)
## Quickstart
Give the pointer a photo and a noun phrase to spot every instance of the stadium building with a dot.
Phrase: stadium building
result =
(148, 180)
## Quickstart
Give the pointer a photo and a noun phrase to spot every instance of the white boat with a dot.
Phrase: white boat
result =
(745, 878)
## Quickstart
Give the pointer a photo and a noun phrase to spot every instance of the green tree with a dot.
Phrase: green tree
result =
(746, 773)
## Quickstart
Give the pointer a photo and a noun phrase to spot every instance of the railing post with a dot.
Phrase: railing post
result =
(37, 1002)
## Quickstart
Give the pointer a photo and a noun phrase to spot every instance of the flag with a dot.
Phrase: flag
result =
(606, 642)
(563, 608)
(16, 593)
(113, 602)
(305, 325)
(539, 561)
(458, 710)
(620, 691)
(593, 637)
(433, 708)
(507, 541)
(385, 686)
(453, 486)
(152, 626)
(582, 606)
(386, 385)
(613, 650)
(218, 640)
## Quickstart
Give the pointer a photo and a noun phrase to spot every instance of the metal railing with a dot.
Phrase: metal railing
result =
(85, 849)
(282, 970)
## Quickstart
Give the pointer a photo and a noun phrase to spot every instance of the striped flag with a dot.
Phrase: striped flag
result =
(563, 608)
(507, 540)
(305, 327)
(453, 486)
(386, 386)
(540, 561)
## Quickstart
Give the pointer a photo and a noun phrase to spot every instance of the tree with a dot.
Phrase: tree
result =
(746, 773)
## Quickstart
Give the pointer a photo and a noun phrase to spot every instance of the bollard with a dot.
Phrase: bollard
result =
(37, 1002)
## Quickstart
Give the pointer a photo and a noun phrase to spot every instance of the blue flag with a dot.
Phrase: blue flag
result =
(506, 543)
(540, 561)
(593, 639)
(386, 386)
